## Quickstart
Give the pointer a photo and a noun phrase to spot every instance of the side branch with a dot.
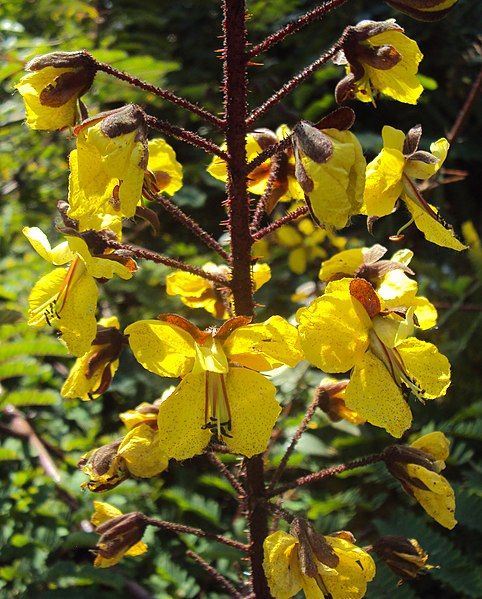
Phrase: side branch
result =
(311, 478)
(313, 15)
(453, 134)
(162, 93)
(271, 150)
(198, 532)
(287, 218)
(290, 85)
(188, 136)
(192, 225)
(145, 254)
(217, 576)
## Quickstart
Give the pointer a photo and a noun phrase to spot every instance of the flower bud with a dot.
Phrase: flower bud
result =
(120, 534)
(403, 556)
(424, 10)
(330, 400)
(104, 467)
(53, 87)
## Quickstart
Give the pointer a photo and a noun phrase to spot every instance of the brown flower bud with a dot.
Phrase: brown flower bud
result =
(424, 10)
(330, 400)
(104, 467)
(119, 534)
(397, 457)
(403, 556)
(312, 547)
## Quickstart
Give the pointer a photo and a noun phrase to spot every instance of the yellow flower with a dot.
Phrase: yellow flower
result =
(418, 468)
(121, 534)
(221, 393)
(424, 10)
(379, 58)
(330, 168)
(52, 90)
(164, 173)
(197, 292)
(304, 242)
(347, 328)
(92, 373)
(331, 393)
(107, 168)
(285, 187)
(66, 299)
(321, 566)
(388, 277)
(138, 454)
(392, 174)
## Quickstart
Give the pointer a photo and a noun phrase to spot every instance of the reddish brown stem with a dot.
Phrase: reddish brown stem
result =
(228, 475)
(263, 201)
(162, 93)
(145, 254)
(287, 218)
(316, 476)
(294, 441)
(188, 136)
(290, 85)
(217, 576)
(198, 532)
(313, 15)
(193, 226)
(466, 109)
(270, 151)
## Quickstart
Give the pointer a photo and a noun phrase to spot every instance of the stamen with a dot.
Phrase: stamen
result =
(217, 413)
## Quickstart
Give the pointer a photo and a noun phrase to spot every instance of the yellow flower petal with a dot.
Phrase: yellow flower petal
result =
(417, 169)
(261, 275)
(426, 365)
(436, 444)
(432, 229)
(374, 395)
(254, 411)
(399, 82)
(98, 267)
(439, 500)
(345, 262)
(138, 549)
(162, 348)
(288, 236)
(181, 419)
(162, 162)
(333, 329)
(383, 182)
(60, 254)
(393, 138)
(297, 260)
(425, 312)
(143, 452)
(40, 116)
(103, 512)
(78, 385)
(281, 570)
(264, 346)
(338, 183)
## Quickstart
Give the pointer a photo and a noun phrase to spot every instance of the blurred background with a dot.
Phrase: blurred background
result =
(45, 544)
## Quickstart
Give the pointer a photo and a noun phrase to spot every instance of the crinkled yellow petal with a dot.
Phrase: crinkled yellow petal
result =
(194, 290)
(44, 292)
(261, 275)
(396, 289)
(399, 82)
(374, 395)
(297, 260)
(436, 444)
(355, 569)
(181, 419)
(138, 549)
(264, 346)
(132, 418)
(439, 500)
(254, 411)
(294, 188)
(40, 116)
(426, 365)
(345, 262)
(333, 329)
(77, 385)
(425, 312)
(99, 268)
(338, 183)
(280, 554)
(432, 229)
(60, 254)
(393, 138)
(383, 182)
(310, 586)
(143, 452)
(162, 348)
(417, 169)
(102, 512)
(162, 162)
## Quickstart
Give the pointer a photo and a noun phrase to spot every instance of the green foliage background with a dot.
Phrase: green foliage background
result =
(44, 540)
